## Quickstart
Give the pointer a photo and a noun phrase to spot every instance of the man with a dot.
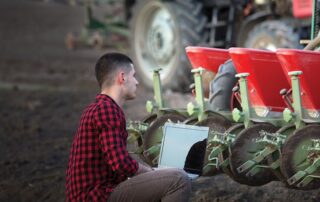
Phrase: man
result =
(100, 167)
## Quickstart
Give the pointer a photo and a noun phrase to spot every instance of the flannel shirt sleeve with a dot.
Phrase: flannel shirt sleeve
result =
(113, 143)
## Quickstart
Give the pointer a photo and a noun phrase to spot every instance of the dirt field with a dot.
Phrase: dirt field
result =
(43, 89)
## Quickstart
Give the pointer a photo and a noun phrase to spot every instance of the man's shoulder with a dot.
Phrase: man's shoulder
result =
(107, 107)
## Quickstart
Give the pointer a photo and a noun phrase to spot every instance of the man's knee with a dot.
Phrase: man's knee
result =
(180, 176)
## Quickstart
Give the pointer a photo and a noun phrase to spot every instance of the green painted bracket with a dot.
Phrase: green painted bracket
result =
(245, 115)
(315, 146)
(192, 109)
(200, 107)
(152, 150)
(157, 90)
(134, 135)
(275, 165)
(256, 169)
(288, 116)
(271, 139)
(259, 156)
(223, 141)
(307, 180)
(215, 151)
(207, 168)
(237, 115)
(307, 173)
(297, 116)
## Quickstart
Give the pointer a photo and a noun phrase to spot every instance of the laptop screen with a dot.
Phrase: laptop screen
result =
(183, 146)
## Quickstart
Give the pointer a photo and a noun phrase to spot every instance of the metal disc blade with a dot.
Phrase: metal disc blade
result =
(135, 146)
(135, 142)
(216, 123)
(296, 156)
(149, 118)
(286, 131)
(153, 134)
(224, 156)
(244, 149)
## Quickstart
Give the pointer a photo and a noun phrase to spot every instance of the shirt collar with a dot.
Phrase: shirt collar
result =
(104, 97)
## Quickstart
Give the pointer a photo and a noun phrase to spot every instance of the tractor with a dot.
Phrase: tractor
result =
(159, 30)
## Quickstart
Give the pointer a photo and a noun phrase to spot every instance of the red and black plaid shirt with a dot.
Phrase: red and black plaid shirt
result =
(98, 158)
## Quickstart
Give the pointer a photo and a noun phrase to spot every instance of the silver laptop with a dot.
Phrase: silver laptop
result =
(183, 146)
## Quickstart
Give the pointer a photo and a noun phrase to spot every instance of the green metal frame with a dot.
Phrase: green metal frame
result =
(304, 177)
(272, 141)
(157, 89)
(297, 115)
(246, 114)
(199, 109)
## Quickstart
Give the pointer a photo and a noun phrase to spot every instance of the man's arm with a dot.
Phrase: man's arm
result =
(113, 144)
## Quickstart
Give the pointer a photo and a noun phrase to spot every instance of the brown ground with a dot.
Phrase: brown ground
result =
(43, 89)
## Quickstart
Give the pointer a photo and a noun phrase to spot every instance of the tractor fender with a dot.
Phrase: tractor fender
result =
(248, 23)
(128, 4)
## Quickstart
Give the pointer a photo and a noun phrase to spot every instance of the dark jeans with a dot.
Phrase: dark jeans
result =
(160, 185)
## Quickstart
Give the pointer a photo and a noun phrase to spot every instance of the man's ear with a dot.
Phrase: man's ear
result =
(121, 77)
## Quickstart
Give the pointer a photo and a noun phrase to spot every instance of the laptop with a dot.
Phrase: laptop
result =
(183, 146)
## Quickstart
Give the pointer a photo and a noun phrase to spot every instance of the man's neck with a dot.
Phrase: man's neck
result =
(115, 94)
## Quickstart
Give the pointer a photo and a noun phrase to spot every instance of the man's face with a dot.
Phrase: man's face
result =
(130, 84)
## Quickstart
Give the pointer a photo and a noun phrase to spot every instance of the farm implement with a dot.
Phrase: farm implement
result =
(263, 115)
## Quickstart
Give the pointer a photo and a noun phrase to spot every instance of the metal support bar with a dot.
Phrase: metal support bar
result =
(152, 150)
(215, 151)
(199, 92)
(199, 109)
(255, 170)
(259, 156)
(133, 137)
(271, 139)
(297, 102)
(157, 90)
(307, 173)
(275, 165)
(307, 180)
(245, 103)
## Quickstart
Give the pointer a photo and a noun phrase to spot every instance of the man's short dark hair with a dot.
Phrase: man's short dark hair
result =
(108, 65)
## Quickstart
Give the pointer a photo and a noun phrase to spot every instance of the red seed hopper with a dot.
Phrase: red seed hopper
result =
(266, 77)
(309, 63)
(208, 58)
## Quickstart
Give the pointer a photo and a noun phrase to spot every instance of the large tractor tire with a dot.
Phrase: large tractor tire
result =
(160, 31)
(220, 97)
(272, 34)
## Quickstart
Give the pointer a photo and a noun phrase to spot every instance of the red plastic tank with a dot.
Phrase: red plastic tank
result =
(208, 58)
(266, 77)
(302, 8)
(309, 63)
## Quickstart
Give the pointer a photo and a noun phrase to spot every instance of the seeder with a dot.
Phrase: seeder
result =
(272, 134)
